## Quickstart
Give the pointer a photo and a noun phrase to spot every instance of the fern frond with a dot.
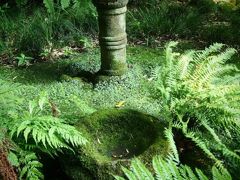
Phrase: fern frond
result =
(140, 170)
(164, 171)
(220, 174)
(31, 166)
(226, 80)
(212, 67)
(174, 169)
(190, 173)
(211, 74)
(201, 175)
(169, 135)
(130, 175)
(169, 170)
(200, 82)
(65, 4)
(121, 178)
(203, 55)
(49, 4)
(157, 166)
(202, 145)
(48, 132)
(182, 66)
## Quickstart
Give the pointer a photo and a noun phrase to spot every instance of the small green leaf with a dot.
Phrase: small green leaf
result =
(22, 126)
(13, 159)
(26, 133)
(23, 172)
(32, 106)
(65, 4)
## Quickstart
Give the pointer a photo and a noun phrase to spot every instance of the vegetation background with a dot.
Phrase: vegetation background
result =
(45, 44)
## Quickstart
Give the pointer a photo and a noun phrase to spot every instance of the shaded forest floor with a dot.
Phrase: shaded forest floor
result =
(70, 95)
(67, 79)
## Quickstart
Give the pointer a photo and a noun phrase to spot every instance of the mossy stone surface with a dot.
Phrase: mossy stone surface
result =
(115, 136)
(106, 4)
(112, 36)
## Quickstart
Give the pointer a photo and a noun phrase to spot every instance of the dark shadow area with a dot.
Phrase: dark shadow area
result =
(52, 169)
(190, 154)
(38, 73)
(48, 72)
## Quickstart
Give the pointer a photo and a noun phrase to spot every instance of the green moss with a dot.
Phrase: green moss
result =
(115, 136)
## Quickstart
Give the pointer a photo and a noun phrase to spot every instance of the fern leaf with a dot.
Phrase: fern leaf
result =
(120, 178)
(31, 166)
(183, 172)
(21, 127)
(207, 52)
(130, 175)
(26, 133)
(49, 4)
(190, 173)
(49, 132)
(220, 175)
(183, 65)
(157, 168)
(65, 4)
(204, 148)
(140, 170)
(169, 135)
(174, 170)
(166, 171)
(24, 170)
(175, 173)
(200, 175)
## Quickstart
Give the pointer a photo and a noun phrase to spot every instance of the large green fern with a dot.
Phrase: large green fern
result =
(48, 133)
(199, 90)
(169, 170)
(32, 131)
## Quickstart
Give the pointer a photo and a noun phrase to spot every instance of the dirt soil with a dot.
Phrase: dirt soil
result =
(6, 170)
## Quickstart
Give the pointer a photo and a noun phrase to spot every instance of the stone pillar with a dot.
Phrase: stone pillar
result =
(112, 36)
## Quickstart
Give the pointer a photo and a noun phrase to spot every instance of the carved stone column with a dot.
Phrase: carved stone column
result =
(112, 36)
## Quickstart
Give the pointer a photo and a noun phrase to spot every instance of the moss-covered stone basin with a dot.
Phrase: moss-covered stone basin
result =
(115, 136)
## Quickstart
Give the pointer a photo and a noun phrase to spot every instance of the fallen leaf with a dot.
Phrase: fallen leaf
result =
(120, 104)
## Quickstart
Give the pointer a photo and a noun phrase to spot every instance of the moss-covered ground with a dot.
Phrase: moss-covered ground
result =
(75, 97)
